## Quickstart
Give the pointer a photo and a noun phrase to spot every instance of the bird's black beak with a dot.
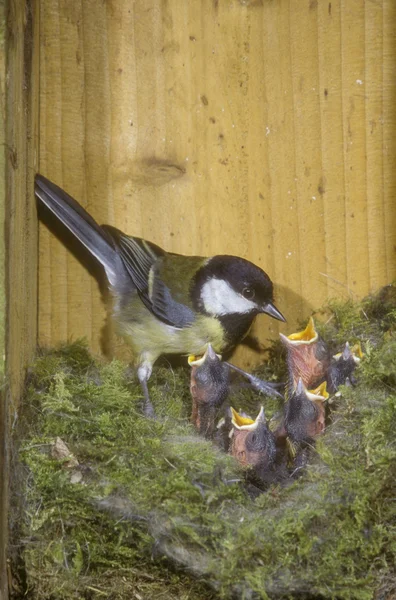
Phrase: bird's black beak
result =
(273, 312)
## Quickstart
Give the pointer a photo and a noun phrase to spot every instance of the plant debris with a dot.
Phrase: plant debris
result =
(110, 504)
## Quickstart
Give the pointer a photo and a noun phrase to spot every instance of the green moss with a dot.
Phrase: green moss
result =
(154, 511)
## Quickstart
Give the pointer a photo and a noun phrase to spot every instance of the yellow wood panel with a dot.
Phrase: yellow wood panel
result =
(332, 143)
(353, 60)
(310, 187)
(279, 198)
(373, 86)
(52, 256)
(388, 124)
(63, 282)
(21, 221)
(257, 128)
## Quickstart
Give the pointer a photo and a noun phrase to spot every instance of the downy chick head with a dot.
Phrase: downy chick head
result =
(304, 417)
(342, 367)
(307, 357)
(209, 386)
(252, 443)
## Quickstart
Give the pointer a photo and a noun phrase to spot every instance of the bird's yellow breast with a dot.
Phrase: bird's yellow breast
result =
(150, 337)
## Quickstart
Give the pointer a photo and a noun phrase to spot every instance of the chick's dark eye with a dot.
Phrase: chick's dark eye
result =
(248, 293)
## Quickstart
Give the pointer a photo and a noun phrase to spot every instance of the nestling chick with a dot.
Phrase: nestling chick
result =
(209, 389)
(252, 443)
(307, 358)
(304, 414)
(223, 430)
(342, 367)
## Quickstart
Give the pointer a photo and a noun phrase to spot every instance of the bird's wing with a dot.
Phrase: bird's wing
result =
(164, 304)
(141, 260)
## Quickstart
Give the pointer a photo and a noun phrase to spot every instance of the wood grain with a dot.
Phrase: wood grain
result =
(18, 163)
(258, 128)
(21, 220)
(3, 398)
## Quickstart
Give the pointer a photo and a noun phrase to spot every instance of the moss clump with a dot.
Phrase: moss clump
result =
(151, 509)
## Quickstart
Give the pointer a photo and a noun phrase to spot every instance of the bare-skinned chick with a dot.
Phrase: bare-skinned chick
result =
(253, 444)
(308, 357)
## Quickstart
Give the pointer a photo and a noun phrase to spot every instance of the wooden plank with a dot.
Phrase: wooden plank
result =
(62, 158)
(353, 59)
(216, 127)
(310, 186)
(332, 144)
(3, 411)
(280, 195)
(374, 97)
(21, 228)
(21, 216)
(389, 138)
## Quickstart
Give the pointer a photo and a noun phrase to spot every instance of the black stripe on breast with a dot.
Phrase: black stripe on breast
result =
(236, 327)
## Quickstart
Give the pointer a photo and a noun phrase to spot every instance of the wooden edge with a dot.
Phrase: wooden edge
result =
(21, 131)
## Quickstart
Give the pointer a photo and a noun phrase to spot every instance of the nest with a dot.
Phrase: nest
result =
(109, 504)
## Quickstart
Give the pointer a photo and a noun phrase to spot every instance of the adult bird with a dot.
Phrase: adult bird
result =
(167, 303)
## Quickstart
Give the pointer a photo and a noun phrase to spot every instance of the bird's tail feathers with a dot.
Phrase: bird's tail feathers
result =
(83, 226)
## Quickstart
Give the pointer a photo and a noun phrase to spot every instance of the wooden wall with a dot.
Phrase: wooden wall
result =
(264, 128)
(3, 405)
(19, 45)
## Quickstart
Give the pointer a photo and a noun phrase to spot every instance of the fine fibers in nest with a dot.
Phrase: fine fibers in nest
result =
(109, 504)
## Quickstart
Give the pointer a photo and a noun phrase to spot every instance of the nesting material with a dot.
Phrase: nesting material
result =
(137, 508)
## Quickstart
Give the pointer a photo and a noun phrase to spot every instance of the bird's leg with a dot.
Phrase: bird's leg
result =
(266, 387)
(148, 407)
(144, 371)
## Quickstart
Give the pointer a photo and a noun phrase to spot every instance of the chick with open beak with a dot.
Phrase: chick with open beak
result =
(209, 387)
(252, 443)
(307, 357)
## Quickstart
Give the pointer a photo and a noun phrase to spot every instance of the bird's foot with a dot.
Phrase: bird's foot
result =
(148, 409)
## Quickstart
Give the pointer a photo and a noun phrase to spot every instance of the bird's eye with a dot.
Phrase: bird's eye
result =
(248, 293)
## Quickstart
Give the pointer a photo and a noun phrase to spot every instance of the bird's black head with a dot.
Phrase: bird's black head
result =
(229, 285)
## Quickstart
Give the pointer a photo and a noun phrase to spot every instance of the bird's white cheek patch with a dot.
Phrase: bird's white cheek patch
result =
(219, 298)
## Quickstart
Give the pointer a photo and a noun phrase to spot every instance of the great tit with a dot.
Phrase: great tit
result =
(167, 303)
